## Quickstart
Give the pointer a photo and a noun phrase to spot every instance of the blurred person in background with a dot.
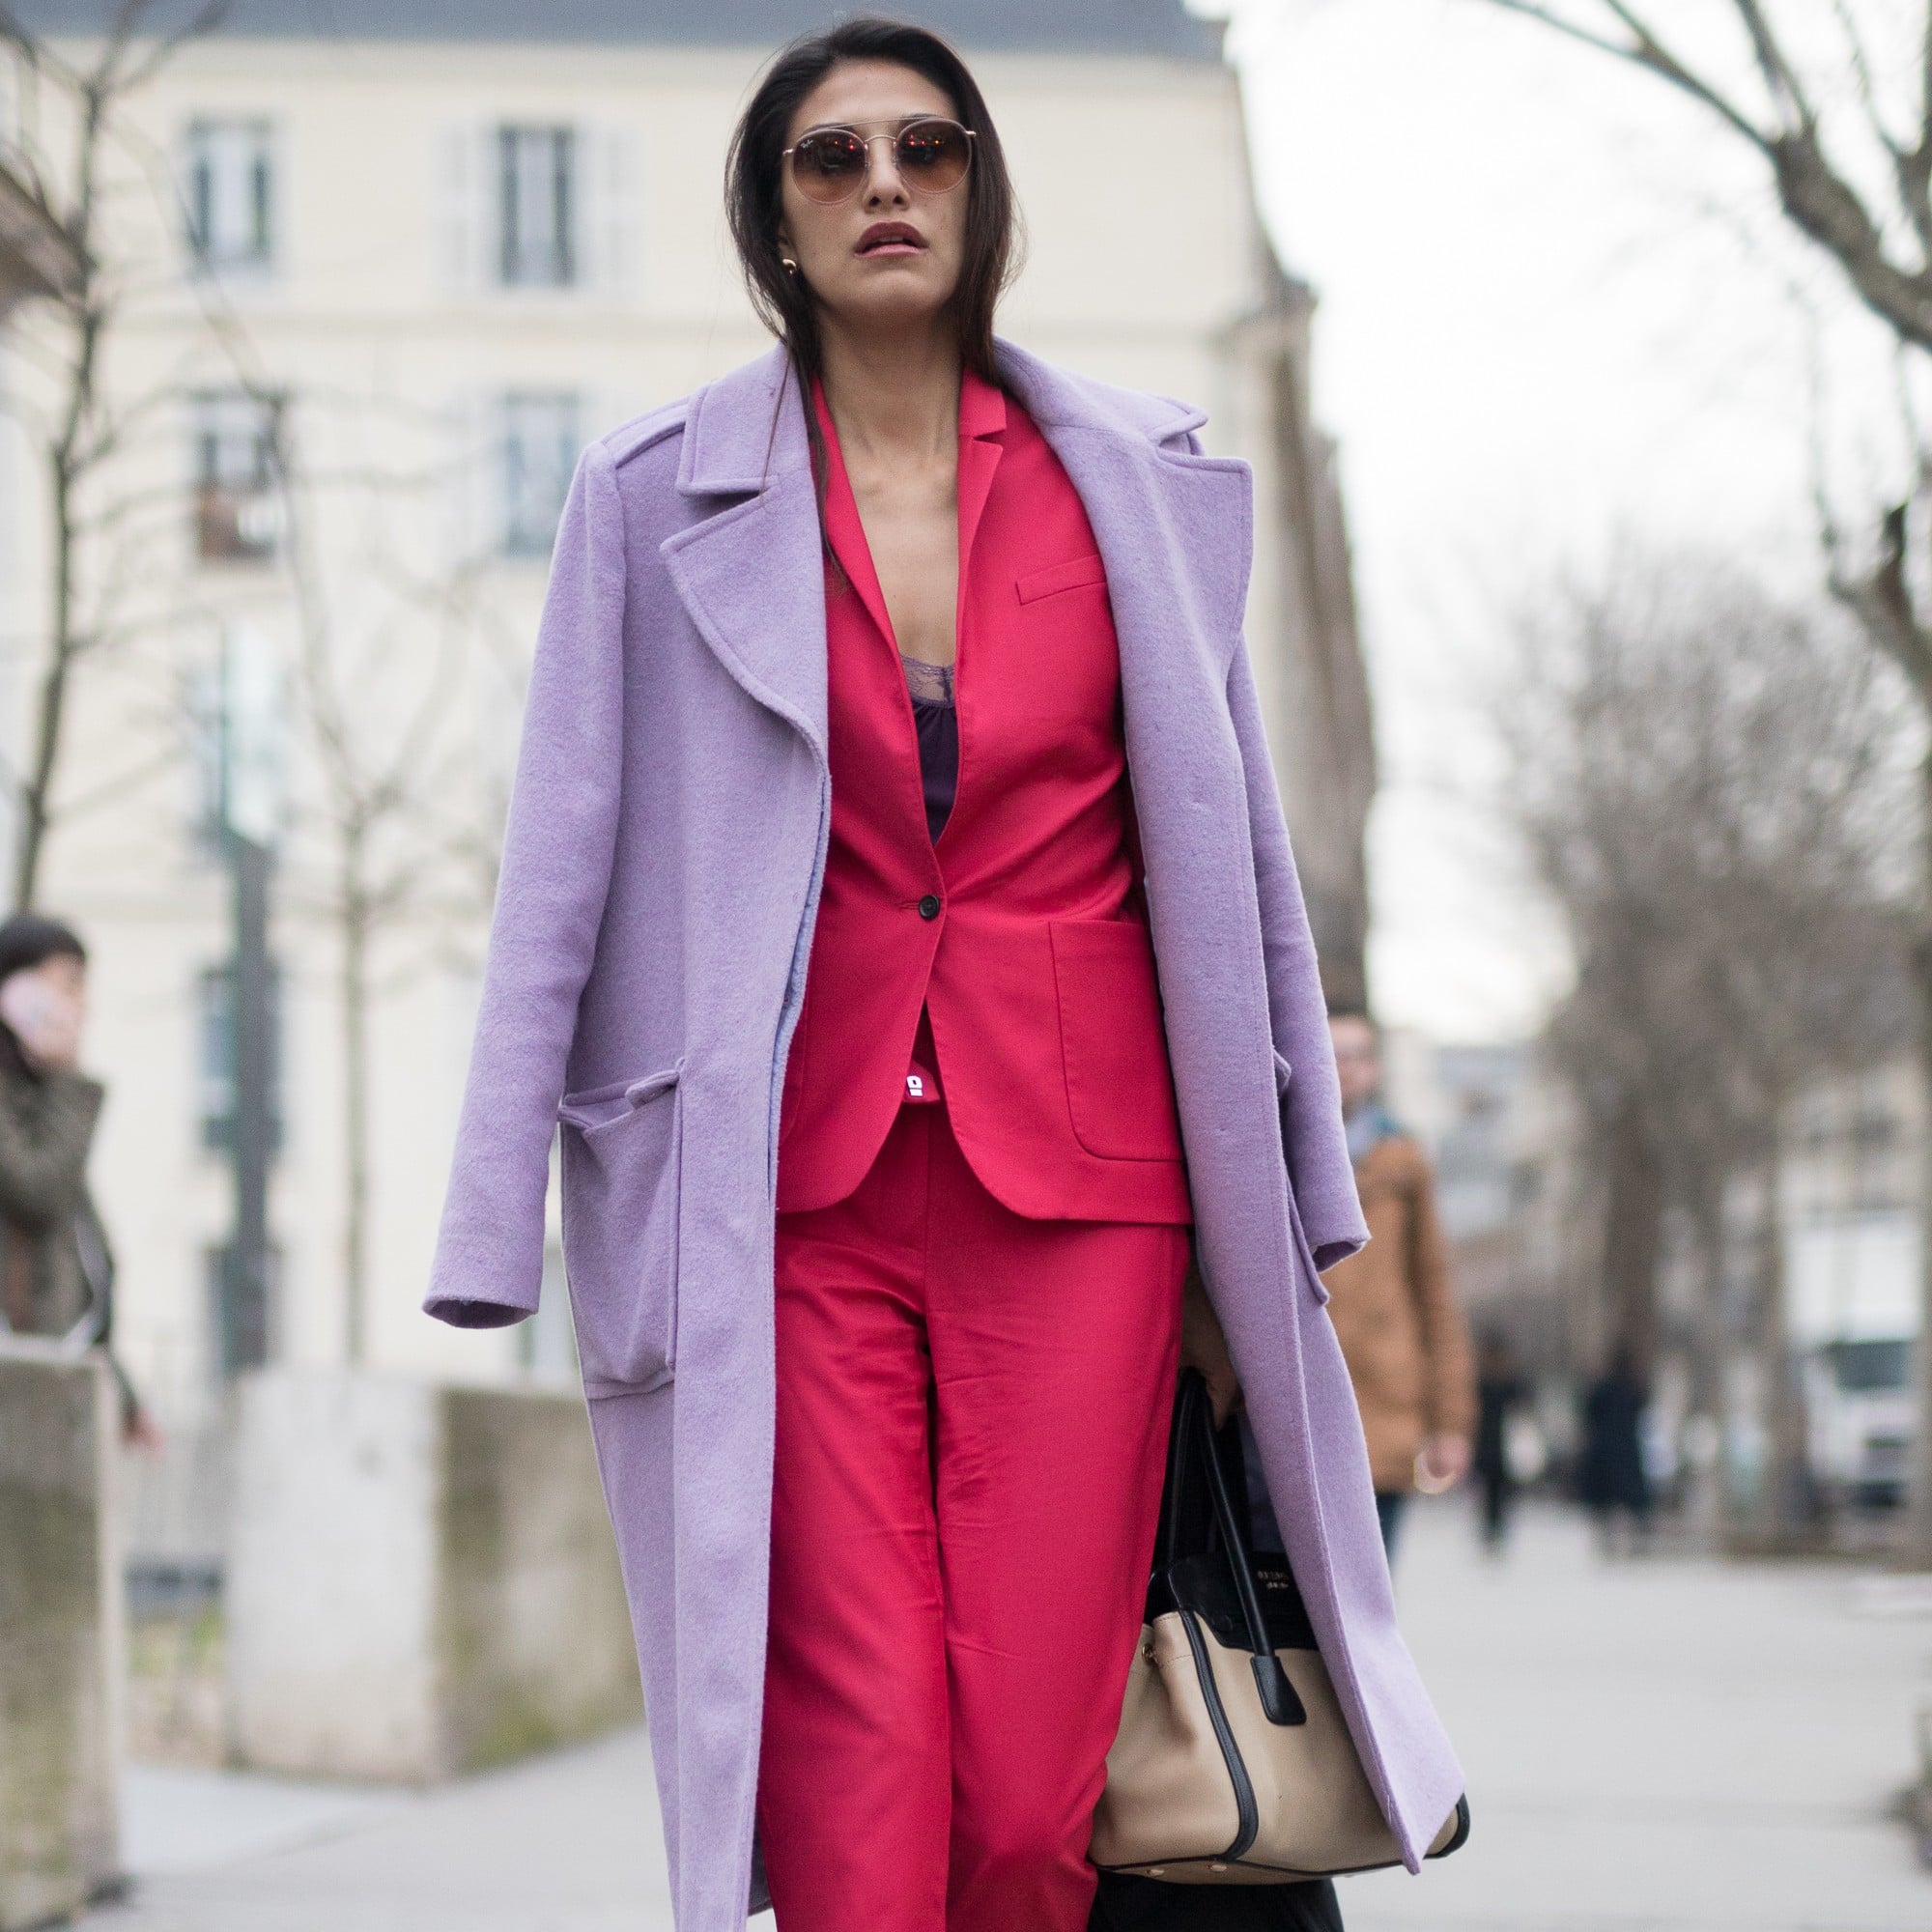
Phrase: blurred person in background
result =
(879, 1272)
(57, 1271)
(1611, 1481)
(1393, 1304)
(1501, 1390)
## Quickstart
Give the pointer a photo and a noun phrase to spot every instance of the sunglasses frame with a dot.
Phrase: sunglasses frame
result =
(859, 180)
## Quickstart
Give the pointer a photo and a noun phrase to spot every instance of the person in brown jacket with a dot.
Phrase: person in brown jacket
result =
(1394, 1308)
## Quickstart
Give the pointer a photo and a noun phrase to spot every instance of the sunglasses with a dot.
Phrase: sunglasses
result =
(830, 164)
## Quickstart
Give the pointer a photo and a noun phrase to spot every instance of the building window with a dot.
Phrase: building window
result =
(540, 445)
(238, 518)
(216, 1086)
(231, 186)
(536, 207)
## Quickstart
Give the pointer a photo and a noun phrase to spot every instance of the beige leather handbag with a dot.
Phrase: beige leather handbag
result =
(1233, 1765)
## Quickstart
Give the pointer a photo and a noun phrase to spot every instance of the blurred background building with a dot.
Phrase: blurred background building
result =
(363, 294)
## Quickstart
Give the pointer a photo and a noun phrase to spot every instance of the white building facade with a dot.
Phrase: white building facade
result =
(379, 287)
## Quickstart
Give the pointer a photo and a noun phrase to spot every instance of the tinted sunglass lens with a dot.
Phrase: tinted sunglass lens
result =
(829, 166)
(932, 155)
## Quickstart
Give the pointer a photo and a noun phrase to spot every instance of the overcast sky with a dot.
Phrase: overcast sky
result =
(1547, 324)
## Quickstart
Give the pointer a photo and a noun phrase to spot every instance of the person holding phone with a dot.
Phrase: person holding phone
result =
(56, 1267)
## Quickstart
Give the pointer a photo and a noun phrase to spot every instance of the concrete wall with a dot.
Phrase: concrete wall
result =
(60, 1633)
(421, 1580)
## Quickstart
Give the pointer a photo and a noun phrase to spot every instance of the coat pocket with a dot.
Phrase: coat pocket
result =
(622, 1159)
(1114, 1051)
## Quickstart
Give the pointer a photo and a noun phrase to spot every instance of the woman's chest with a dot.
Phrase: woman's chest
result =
(912, 529)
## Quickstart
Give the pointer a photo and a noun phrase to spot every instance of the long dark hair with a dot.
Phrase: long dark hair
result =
(754, 173)
(31, 938)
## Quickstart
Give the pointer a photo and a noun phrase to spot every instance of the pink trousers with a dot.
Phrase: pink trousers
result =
(972, 1423)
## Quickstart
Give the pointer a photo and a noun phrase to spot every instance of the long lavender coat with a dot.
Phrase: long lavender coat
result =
(661, 874)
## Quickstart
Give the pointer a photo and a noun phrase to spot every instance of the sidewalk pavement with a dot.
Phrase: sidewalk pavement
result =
(1656, 1745)
(1661, 1744)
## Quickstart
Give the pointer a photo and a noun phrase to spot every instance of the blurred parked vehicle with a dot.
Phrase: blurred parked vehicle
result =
(1861, 1413)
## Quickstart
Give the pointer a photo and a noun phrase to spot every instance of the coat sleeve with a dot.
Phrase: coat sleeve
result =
(1449, 1376)
(1319, 1168)
(44, 1150)
(556, 874)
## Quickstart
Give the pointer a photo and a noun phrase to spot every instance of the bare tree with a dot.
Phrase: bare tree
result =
(1701, 780)
(1784, 97)
(390, 835)
(84, 426)
(385, 850)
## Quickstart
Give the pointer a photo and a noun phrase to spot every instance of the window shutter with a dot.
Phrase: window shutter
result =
(607, 203)
(468, 212)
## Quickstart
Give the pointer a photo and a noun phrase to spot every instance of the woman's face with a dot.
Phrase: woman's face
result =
(47, 1007)
(887, 259)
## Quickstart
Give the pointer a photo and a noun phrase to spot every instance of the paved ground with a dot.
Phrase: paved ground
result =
(1663, 1745)
(1653, 1747)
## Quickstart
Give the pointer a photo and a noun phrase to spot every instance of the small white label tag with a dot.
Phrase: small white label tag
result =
(914, 1086)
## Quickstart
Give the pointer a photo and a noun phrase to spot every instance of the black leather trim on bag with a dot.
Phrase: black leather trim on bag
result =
(1279, 1703)
(1247, 1814)
(1461, 1836)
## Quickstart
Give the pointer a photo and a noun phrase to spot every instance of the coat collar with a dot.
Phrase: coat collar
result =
(743, 431)
(746, 431)
(1174, 529)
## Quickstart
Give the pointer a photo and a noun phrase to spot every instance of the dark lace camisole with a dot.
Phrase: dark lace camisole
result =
(936, 720)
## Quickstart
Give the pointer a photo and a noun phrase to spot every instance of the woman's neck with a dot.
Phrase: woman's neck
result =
(892, 397)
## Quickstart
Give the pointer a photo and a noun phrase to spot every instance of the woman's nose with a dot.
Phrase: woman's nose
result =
(883, 180)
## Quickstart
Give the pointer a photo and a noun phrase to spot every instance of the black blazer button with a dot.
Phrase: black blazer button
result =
(928, 906)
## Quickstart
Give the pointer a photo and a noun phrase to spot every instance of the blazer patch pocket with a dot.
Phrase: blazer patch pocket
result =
(622, 1151)
(1119, 1093)
(1076, 575)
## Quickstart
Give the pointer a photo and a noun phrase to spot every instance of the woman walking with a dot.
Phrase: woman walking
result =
(897, 895)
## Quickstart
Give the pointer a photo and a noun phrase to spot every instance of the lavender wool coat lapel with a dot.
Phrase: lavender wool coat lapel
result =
(662, 864)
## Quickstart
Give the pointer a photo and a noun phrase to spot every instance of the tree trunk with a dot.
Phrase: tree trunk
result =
(1918, 1528)
(33, 794)
(355, 1101)
(1784, 1505)
(1633, 1239)
(1705, 1425)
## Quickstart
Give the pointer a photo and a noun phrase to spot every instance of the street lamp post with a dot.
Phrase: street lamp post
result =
(249, 808)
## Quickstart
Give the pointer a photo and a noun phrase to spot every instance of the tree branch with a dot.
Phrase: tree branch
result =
(204, 20)
(1648, 53)
(1817, 200)
(1881, 600)
(1780, 78)
(1860, 58)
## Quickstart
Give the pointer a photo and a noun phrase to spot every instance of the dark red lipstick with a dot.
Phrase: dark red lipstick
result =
(891, 237)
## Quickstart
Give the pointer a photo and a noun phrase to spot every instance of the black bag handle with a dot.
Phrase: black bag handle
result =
(1193, 1432)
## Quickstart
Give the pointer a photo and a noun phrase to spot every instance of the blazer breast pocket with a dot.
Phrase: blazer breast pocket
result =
(621, 1161)
(1067, 664)
(1080, 573)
